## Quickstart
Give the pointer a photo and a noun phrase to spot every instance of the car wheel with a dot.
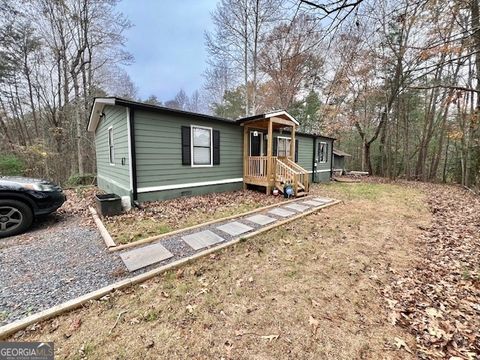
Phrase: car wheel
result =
(15, 217)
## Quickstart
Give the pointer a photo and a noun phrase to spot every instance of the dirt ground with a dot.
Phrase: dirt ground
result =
(308, 290)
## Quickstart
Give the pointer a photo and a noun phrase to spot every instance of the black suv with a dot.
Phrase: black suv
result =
(21, 199)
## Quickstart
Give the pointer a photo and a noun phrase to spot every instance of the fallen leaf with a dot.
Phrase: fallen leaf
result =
(191, 308)
(314, 323)
(399, 343)
(75, 324)
(270, 337)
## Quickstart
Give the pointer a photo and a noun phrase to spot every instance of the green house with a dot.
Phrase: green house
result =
(149, 152)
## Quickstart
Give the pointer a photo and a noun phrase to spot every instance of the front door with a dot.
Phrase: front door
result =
(256, 149)
(256, 143)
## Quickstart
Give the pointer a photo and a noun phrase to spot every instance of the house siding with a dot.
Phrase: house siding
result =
(113, 178)
(323, 170)
(159, 156)
(305, 152)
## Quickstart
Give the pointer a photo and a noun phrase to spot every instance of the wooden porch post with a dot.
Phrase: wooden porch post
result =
(269, 156)
(245, 155)
(292, 144)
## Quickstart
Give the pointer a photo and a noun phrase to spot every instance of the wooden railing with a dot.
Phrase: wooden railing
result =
(284, 170)
(302, 174)
(287, 171)
(257, 166)
(283, 173)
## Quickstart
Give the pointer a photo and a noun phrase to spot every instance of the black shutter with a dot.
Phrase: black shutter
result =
(186, 152)
(216, 147)
(274, 146)
(296, 150)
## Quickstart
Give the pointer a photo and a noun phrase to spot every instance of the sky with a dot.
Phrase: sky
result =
(167, 41)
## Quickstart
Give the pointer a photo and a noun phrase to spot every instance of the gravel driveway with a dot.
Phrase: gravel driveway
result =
(59, 260)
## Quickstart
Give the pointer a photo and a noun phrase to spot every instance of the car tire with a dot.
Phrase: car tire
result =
(15, 217)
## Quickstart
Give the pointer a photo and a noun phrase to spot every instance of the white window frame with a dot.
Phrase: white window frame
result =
(278, 143)
(111, 146)
(192, 145)
(325, 146)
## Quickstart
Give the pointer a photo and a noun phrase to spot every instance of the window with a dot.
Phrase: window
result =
(201, 146)
(111, 147)
(322, 152)
(283, 146)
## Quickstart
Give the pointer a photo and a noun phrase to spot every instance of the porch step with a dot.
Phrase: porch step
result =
(300, 192)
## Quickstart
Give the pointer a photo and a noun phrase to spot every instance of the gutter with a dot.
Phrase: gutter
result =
(314, 168)
(331, 161)
(133, 158)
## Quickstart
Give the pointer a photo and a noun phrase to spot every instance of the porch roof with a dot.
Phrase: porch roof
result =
(282, 114)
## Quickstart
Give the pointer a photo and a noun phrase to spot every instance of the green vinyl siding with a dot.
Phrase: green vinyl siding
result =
(323, 170)
(305, 152)
(328, 164)
(159, 151)
(191, 191)
(338, 162)
(113, 178)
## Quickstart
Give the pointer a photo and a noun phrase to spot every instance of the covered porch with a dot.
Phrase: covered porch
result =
(272, 164)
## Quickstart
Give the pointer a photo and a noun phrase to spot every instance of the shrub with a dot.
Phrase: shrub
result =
(78, 180)
(11, 165)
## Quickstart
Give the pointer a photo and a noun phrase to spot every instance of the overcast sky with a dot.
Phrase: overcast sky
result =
(167, 41)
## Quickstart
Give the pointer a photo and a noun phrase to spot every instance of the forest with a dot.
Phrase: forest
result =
(396, 82)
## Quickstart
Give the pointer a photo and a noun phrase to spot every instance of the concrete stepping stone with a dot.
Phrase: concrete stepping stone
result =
(144, 256)
(297, 207)
(313, 203)
(202, 239)
(321, 199)
(234, 228)
(261, 219)
(281, 212)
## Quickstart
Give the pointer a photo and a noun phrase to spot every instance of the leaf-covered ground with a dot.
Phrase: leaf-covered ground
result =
(438, 298)
(307, 290)
(391, 273)
(163, 216)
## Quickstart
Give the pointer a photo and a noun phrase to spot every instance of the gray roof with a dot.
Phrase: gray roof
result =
(340, 153)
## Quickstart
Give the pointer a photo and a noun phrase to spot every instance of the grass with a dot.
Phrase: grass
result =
(315, 283)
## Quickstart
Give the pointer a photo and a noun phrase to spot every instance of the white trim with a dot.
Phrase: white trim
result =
(326, 155)
(183, 186)
(319, 171)
(277, 113)
(97, 110)
(130, 163)
(113, 182)
(111, 144)
(191, 145)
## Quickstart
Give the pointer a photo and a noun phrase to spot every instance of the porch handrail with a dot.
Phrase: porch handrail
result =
(283, 172)
(257, 166)
(298, 175)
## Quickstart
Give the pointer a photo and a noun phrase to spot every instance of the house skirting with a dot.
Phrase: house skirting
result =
(166, 192)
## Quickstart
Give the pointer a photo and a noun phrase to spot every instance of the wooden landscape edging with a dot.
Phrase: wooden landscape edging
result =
(161, 236)
(103, 230)
(18, 325)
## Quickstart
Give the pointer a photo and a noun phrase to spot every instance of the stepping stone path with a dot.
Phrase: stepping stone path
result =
(323, 200)
(261, 219)
(234, 228)
(190, 242)
(281, 212)
(313, 203)
(297, 207)
(144, 256)
(202, 239)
